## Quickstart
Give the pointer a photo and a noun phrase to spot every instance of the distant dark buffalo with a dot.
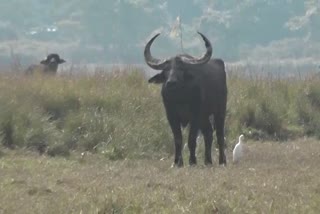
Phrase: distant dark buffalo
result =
(193, 90)
(46, 66)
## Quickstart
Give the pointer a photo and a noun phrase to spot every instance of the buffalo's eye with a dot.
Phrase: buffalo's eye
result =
(166, 73)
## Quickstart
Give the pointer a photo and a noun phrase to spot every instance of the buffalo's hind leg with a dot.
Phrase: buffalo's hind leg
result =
(178, 160)
(219, 125)
(207, 132)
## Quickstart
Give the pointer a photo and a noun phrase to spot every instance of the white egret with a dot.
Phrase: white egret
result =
(238, 150)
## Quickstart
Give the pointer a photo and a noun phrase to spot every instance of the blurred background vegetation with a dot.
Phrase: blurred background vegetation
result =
(108, 31)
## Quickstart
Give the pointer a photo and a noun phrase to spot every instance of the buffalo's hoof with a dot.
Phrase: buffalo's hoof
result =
(223, 160)
(208, 161)
(178, 163)
(223, 163)
(192, 161)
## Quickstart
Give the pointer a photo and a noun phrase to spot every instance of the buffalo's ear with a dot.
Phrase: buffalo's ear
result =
(61, 61)
(158, 78)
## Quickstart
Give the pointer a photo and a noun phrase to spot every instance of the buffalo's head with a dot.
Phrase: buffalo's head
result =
(52, 61)
(176, 71)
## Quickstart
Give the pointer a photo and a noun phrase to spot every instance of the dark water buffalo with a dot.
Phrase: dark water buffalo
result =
(193, 90)
(46, 66)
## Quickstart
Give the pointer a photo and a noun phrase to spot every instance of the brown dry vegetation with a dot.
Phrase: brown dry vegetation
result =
(272, 178)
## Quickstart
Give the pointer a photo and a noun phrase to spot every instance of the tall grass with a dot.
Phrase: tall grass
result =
(120, 115)
(273, 107)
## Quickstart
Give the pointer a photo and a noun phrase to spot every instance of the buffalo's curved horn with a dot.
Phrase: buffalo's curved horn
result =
(154, 63)
(203, 59)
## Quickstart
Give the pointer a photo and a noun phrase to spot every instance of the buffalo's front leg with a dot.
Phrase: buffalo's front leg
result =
(177, 135)
(176, 131)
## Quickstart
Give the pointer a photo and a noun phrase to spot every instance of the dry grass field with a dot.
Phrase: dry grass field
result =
(272, 178)
(118, 121)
